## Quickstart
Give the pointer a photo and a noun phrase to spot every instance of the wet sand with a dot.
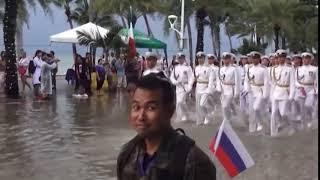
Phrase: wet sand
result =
(74, 139)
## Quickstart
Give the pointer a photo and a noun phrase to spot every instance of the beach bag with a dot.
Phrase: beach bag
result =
(31, 67)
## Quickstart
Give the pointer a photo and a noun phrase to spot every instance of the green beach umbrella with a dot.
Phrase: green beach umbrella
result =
(142, 40)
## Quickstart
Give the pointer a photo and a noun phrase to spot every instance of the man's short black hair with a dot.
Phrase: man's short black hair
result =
(158, 81)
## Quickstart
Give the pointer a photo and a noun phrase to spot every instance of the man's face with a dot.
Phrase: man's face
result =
(249, 60)
(306, 60)
(265, 61)
(201, 60)
(210, 61)
(181, 60)
(148, 115)
(282, 59)
(297, 61)
(227, 61)
(244, 61)
(151, 62)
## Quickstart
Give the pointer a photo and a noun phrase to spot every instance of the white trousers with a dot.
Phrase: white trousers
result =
(181, 104)
(202, 106)
(280, 112)
(256, 107)
(302, 108)
(244, 103)
(227, 105)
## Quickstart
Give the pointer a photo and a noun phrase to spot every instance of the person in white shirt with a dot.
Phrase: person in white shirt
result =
(214, 95)
(23, 65)
(202, 73)
(37, 73)
(306, 88)
(282, 93)
(244, 97)
(151, 63)
(183, 78)
(46, 78)
(256, 84)
(228, 84)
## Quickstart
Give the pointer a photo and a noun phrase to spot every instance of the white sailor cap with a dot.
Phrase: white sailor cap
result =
(281, 52)
(151, 54)
(307, 54)
(233, 56)
(181, 55)
(296, 56)
(255, 54)
(243, 57)
(200, 54)
(289, 57)
(226, 55)
(265, 57)
(211, 56)
(272, 55)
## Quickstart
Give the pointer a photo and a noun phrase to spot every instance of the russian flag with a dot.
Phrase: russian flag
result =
(229, 150)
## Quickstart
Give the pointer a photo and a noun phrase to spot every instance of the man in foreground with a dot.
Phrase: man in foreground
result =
(159, 152)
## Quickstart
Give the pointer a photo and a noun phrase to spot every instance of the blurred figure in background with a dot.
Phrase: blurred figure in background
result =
(101, 73)
(23, 65)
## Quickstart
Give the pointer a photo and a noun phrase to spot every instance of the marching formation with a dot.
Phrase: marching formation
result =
(274, 91)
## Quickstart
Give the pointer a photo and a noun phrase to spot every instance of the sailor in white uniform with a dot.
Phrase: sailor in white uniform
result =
(183, 78)
(282, 93)
(214, 96)
(244, 100)
(202, 73)
(151, 63)
(256, 84)
(228, 84)
(306, 88)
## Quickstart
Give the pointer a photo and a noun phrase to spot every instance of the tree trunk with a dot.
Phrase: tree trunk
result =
(9, 32)
(283, 42)
(68, 14)
(276, 29)
(201, 15)
(217, 36)
(190, 42)
(148, 27)
(214, 48)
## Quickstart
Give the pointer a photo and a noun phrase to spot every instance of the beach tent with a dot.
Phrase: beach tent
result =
(71, 36)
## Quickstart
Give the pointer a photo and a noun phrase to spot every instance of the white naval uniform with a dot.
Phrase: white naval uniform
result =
(149, 71)
(182, 77)
(306, 89)
(244, 97)
(228, 83)
(283, 91)
(202, 73)
(214, 95)
(257, 85)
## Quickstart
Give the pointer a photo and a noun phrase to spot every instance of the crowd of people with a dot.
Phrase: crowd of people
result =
(276, 91)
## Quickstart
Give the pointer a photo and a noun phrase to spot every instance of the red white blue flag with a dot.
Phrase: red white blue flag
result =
(229, 150)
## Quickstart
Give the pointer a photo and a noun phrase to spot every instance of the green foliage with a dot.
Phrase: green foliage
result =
(248, 46)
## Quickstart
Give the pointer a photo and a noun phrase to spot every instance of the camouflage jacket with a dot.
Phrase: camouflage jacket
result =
(169, 164)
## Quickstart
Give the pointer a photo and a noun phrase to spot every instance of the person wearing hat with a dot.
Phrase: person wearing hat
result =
(288, 61)
(296, 60)
(282, 93)
(183, 78)
(256, 84)
(265, 61)
(306, 88)
(151, 63)
(243, 99)
(214, 96)
(229, 85)
(202, 73)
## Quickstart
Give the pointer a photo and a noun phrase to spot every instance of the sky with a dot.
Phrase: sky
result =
(42, 26)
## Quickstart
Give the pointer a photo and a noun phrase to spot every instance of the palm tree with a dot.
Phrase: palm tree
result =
(9, 29)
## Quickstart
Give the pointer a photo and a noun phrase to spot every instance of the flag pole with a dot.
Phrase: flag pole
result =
(218, 137)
